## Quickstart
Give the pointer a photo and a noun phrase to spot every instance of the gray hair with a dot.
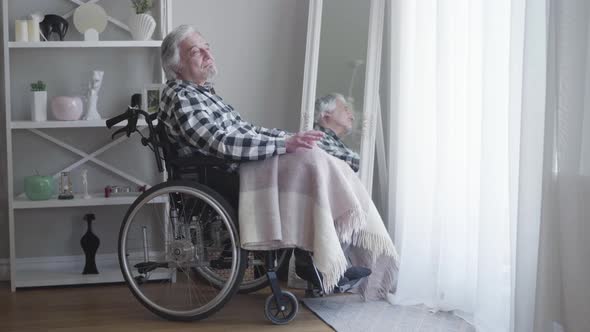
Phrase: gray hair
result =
(327, 104)
(170, 51)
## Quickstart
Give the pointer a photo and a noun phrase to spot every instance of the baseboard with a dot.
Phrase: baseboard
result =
(67, 262)
(57, 270)
(63, 262)
(4, 269)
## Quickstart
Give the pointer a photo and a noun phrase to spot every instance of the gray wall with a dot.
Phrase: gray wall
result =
(260, 49)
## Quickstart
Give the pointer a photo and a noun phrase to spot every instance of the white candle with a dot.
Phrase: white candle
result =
(21, 32)
(33, 29)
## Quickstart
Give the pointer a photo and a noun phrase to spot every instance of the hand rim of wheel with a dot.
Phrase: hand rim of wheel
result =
(225, 217)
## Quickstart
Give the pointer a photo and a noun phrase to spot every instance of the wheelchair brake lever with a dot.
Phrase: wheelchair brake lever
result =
(119, 131)
(131, 125)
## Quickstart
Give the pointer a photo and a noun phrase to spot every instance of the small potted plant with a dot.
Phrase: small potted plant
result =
(39, 102)
(141, 23)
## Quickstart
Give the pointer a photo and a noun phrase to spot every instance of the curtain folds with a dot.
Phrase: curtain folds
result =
(563, 291)
(491, 183)
(458, 121)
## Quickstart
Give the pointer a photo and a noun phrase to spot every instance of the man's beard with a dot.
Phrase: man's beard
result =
(211, 72)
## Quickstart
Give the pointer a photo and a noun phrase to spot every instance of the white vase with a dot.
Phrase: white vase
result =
(39, 106)
(142, 26)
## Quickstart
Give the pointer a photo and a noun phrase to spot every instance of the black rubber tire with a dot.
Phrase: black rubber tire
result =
(232, 216)
(271, 305)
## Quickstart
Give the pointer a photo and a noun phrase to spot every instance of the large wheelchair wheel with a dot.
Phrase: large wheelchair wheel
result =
(172, 236)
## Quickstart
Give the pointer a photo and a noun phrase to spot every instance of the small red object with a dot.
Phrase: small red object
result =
(107, 191)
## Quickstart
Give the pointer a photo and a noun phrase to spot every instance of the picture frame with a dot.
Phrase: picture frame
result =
(150, 97)
(370, 104)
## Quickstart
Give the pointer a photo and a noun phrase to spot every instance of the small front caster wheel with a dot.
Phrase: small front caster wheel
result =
(281, 314)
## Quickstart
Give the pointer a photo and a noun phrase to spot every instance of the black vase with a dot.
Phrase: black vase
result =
(90, 243)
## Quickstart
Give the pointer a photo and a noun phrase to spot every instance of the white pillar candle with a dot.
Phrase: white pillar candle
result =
(39, 106)
(33, 29)
(21, 32)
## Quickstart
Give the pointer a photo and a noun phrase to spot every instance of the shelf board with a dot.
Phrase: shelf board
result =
(65, 274)
(67, 124)
(21, 202)
(86, 44)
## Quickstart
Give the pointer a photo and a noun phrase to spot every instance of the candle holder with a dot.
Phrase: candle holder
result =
(65, 186)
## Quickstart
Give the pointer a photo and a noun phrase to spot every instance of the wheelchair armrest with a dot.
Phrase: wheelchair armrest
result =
(197, 161)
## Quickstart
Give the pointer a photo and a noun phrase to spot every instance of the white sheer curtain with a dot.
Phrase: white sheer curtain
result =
(564, 259)
(458, 139)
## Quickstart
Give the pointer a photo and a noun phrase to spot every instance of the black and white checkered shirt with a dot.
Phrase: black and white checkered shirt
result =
(199, 122)
(334, 146)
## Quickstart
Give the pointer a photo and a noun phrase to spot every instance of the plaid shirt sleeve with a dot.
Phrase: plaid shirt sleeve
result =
(340, 151)
(206, 129)
(269, 132)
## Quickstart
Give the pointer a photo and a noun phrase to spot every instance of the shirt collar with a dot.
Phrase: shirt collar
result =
(207, 86)
(326, 130)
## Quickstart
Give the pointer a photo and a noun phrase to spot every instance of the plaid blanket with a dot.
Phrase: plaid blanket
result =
(313, 201)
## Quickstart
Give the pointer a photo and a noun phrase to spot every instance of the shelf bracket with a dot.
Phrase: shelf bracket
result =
(90, 157)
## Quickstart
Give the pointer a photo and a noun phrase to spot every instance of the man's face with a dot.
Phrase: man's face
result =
(342, 116)
(196, 61)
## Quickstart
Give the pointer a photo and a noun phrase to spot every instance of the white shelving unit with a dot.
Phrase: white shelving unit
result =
(68, 124)
(96, 199)
(50, 271)
(63, 270)
(83, 44)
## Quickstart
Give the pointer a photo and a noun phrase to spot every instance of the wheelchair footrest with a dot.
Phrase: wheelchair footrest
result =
(221, 263)
(146, 267)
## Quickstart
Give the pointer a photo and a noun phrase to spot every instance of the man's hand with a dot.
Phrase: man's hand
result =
(304, 139)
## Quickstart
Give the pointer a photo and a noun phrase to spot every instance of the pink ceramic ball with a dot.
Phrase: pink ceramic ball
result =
(66, 108)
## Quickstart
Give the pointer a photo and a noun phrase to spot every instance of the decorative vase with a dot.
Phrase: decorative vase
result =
(66, 108)
(38, 187)
(142, 26)
(39, 106)
(90, 243)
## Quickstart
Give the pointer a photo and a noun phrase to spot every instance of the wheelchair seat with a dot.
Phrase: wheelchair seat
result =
(202, 169)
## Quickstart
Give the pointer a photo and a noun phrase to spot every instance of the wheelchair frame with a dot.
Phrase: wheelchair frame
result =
(166, 159)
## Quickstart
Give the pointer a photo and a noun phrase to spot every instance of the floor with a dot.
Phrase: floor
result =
(349, 313)
(112, 308)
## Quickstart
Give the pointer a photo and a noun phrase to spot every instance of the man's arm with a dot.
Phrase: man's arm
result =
(233, 142)
(350, 157)
(274, 132)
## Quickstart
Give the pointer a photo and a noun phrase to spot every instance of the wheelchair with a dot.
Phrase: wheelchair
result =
(179, 247)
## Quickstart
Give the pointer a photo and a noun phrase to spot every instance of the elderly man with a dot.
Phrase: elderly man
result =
(200, 122)
(334, 117)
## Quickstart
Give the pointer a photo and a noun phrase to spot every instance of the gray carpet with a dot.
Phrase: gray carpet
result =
(349, 313)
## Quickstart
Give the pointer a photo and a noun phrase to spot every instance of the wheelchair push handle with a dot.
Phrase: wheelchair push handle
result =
(131, 115)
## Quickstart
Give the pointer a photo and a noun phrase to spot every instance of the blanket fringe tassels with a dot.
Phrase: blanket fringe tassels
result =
(345, 225)
(350, 222)
(350, 228)
(334, 272)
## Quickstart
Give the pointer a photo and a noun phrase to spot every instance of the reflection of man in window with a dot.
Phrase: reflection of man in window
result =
(334, 117)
